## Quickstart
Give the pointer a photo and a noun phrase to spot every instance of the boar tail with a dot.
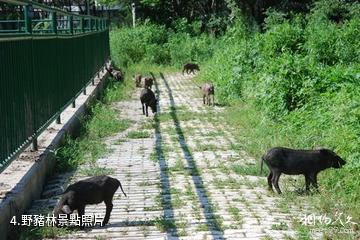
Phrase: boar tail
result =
(261, 165)
(122, 189)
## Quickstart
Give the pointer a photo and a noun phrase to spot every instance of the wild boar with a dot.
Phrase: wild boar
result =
(137, 79)
(147, 98)
(148, 82)
(190, 68)
(294, 162)
(117, 74)
(93, 190)
(208, 91)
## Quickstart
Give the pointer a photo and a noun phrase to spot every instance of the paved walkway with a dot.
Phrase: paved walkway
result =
(182, 180)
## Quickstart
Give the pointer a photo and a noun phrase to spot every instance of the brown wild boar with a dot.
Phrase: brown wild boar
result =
(208, 92)
(137, 79)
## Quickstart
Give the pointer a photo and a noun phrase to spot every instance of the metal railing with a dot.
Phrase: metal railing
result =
(43, 70)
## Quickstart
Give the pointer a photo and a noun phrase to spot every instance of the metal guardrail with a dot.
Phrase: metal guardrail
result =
(59, 21)
(43, 70)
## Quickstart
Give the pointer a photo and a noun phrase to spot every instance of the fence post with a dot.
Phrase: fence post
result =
(90, 24)
(54, 22)
(34, 146)
(28, 25)
(82, 25)
(133, 13)
(71, 24)
(58, 119)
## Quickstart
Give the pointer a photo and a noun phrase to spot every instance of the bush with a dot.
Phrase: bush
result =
(153, 44)
(134, 45)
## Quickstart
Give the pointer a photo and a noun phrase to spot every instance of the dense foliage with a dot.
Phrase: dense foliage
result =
(302, 76)
(297, 79)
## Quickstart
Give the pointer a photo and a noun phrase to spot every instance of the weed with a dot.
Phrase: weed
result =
(138, 134)
(280, 226)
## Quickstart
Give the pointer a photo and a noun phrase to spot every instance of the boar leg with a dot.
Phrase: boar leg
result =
(307, 182)
(204, 98)
(213, 100)
(275, 181)
(109, 207)
(269, 181)
(313, 179)
(81, 212)
(146, 108)
(142, 104)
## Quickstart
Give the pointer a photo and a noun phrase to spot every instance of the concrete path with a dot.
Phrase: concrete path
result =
(183, 177)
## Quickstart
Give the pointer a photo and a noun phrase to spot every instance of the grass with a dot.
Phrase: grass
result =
(164, 224)
(280, 226)
(100, 123)
(96, 170)
(205, 147)
(235, 214)
(257, 134)
(253, 170)
(35, 233)
(138, 134)
(119, 141)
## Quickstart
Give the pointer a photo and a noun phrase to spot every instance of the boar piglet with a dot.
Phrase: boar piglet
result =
(190, 68)
(137, 79)
(147, 98)
(93, 190)
(208, 91)
(293, 162)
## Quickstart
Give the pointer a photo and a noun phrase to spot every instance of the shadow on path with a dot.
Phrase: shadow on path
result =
(212, 221)
(168, 220)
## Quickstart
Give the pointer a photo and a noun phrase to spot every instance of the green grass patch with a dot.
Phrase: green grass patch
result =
(236, 215)
(253, 170)
(35, 233)
(138, 134)
(280, 226)
(164, 224)
(96, 170)
(89, 146)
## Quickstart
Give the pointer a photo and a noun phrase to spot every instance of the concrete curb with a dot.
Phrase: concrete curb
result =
(30, 186)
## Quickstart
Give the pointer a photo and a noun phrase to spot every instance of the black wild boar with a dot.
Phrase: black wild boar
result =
(208, 91)
(137, 79)
(294, 162)
(148, 82)
(93, 190)
(147, 98)
(190, 68)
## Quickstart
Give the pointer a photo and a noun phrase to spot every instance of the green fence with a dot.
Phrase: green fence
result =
(41, 73)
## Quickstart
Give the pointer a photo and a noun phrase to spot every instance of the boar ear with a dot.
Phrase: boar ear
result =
(66, 209)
